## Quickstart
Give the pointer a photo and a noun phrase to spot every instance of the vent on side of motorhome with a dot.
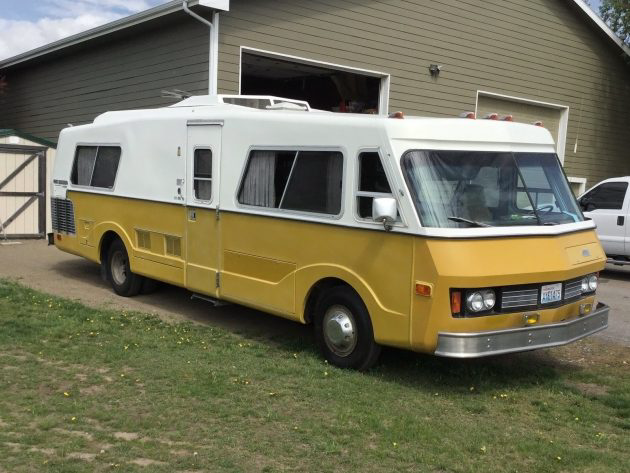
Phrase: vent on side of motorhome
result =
(62, 216)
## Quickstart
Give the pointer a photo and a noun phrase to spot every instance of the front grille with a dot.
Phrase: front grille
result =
(573, 289)
(519, 298)
(62, 216)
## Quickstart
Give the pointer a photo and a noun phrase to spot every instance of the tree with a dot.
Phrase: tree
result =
(616, 13)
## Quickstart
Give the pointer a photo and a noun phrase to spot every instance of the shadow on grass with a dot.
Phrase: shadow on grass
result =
(399, 366)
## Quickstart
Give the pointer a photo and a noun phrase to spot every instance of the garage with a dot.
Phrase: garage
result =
(324, 86)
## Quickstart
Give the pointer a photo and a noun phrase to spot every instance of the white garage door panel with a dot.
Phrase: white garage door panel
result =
(521, 112)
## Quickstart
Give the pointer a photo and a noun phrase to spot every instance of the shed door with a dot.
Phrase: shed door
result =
(521, 112)
(22, 191)
(202, 199)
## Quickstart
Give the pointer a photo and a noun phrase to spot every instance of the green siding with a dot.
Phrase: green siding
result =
(541, 50)
(125, 71)
(544, 50)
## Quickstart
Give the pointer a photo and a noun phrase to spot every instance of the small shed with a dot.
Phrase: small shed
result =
(25, 168)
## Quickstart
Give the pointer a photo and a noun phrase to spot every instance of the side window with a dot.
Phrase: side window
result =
(372, 183)
(202, 177)
(305, 181)
(95, 166)
(609, 195)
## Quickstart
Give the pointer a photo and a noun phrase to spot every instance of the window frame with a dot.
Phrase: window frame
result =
(193, 178)
(97, 146)
(358, 193)
(274, 211)
(599, 186)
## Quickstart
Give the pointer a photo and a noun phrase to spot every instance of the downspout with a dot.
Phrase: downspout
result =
(213, 55)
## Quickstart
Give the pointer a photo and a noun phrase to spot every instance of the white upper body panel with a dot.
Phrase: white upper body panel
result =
(154, 144)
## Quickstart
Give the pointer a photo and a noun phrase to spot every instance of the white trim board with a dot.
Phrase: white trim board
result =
(578, 180)
(564, 115)
(383, 99)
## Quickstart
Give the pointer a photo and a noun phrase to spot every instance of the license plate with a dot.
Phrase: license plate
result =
(551, 293)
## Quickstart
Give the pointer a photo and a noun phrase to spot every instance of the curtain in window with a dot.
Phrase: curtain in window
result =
(259, 186)
(335, 170)
(85, 164)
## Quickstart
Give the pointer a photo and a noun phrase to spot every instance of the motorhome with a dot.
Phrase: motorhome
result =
(453, 236)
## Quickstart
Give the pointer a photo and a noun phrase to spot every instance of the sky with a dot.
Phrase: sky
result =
(27, 24)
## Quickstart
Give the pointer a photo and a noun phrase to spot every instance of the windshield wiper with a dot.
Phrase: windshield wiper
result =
(472, 223)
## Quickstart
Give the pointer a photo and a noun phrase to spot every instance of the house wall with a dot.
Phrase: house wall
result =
(123, 73)
(541, 50)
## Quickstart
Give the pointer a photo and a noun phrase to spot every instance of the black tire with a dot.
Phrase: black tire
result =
(149, 286)
(356, 347)
(124, 282)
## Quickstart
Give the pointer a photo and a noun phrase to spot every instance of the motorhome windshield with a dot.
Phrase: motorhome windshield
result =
(462, 189)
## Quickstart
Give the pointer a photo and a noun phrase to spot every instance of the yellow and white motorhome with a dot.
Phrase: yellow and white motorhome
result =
(455, 237)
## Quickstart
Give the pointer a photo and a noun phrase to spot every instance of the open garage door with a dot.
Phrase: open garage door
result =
(552, 116)
(324, 87)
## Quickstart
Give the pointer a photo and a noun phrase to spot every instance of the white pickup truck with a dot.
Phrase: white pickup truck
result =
(608, 204)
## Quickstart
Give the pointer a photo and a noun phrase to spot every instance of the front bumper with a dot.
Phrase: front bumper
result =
(476, 345)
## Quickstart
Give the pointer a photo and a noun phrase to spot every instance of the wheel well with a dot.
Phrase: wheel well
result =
(108, 238)
(315, 293)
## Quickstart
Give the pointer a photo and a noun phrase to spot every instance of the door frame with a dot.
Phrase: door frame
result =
(385, 78)
(564, 115)
(36, 153)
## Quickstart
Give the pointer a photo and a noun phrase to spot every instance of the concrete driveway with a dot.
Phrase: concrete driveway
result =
(46, 268)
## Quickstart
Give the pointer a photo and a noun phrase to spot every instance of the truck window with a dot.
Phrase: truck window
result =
(372, 183)
(95, 166)
(304, 181)
(609, 195)
(202, 178)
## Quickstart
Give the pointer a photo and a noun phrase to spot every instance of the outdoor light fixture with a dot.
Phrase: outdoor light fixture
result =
(434, 70)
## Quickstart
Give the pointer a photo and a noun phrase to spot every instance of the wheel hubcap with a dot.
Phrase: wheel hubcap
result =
(119, 268)
(339, 330)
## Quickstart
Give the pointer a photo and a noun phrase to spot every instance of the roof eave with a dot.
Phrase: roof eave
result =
(602, 25)
(120, 24)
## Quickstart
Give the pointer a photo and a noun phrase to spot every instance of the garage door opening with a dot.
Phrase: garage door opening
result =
(323, 87)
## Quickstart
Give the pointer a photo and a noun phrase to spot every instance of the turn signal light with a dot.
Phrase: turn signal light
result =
(586, 309)
(424, 289)
(456, 302)
(531, 319)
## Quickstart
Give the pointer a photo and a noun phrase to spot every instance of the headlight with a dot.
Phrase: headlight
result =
(480, 300)
(585, 284)
(592, 282)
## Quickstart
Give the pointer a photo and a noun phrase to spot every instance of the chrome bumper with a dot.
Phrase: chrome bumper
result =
(475, 345)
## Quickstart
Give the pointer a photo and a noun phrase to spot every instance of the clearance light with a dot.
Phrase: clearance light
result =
(531, 319)
(538, 123)
(508, 118)
(58, 237)
(397, 115)
(586, 309)
(456, 302)
(424, 289)
(492, 116)
(470, 115)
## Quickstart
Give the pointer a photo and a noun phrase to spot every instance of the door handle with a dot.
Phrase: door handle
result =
(620, 220)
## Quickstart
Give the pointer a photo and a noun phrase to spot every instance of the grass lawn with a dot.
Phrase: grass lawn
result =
(97, 390)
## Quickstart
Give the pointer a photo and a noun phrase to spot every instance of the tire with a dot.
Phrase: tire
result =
(149, 286)
(343, 330)
(124, 282)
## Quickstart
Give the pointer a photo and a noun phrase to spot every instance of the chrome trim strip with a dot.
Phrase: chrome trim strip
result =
(499, 342)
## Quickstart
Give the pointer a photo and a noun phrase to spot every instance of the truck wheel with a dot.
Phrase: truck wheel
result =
(124, 282)
(343, 330)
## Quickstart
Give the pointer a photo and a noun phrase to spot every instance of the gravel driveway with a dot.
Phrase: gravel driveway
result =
(46, 268)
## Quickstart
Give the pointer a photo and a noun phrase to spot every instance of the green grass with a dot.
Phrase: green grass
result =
(96, 390)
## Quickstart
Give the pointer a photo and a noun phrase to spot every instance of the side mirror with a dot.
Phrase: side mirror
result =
(385, 211)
